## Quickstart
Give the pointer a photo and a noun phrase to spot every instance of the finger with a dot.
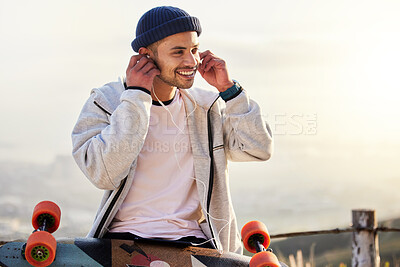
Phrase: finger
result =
(208, 63)
(134, 59)
(154, 72)
(201, 72)
(149, 65)
(141, 63)
(204, 54)
(216, 63)
(132, 62)
(204, 62)
(209, 66)
(208, 57)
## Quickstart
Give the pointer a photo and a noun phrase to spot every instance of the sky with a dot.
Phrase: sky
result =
(325, 74)
(336, 59)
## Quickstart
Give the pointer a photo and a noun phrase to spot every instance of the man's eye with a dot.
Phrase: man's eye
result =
(179, 52)
(194, 51)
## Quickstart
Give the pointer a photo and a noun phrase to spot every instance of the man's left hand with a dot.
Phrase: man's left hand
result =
(214, 71)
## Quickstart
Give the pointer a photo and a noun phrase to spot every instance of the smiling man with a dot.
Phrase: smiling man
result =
(159, 148)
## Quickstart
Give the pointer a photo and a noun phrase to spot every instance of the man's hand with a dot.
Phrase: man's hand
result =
(141, 72)
(214, 71)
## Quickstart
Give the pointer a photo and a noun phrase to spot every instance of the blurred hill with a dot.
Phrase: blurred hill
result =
(23, 185)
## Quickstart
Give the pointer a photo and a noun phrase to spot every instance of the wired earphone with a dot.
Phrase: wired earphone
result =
(179, 167)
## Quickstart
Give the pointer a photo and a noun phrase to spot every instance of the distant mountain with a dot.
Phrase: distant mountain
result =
(23, 185)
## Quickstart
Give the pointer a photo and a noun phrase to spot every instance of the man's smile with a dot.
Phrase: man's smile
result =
(188, 74)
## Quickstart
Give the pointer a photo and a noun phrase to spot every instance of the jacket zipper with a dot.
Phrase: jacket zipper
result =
(109, 209)
(211, 179)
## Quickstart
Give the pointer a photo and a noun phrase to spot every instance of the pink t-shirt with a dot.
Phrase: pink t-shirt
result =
(163, 200)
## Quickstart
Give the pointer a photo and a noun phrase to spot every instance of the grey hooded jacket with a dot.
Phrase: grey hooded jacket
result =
(111, 130)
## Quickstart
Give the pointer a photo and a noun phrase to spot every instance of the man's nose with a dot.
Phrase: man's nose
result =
(192, 59)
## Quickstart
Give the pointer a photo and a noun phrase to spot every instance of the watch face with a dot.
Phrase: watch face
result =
(237, 84)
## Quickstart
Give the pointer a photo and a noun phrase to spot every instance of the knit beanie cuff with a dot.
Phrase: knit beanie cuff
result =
(170, 27)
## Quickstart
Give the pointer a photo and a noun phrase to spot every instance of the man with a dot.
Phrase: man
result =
(159, 148)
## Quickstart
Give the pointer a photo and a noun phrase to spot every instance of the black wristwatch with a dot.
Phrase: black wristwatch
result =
(232, 91)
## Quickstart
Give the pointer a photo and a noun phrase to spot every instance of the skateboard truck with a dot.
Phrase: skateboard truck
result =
(256, 240)
(258, 244)
(40, 249)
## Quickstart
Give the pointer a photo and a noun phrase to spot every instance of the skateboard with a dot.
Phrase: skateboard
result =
(41, 248)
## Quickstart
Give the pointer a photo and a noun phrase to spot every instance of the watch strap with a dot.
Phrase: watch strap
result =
(231, 92)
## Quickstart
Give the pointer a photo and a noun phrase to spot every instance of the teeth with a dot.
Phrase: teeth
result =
(186, 73)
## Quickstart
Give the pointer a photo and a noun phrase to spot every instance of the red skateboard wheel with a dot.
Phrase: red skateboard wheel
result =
(49, 211)
(252, 231)
(264, 259)
(40, 249)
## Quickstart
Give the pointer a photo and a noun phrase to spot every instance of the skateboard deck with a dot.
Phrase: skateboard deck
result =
(107, 252)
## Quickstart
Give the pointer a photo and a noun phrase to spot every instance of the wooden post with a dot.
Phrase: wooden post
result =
(365, 248)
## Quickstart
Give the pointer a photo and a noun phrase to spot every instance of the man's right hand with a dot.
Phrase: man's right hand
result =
(141, 72)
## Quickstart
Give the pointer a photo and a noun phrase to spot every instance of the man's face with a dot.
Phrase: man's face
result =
(177, 58)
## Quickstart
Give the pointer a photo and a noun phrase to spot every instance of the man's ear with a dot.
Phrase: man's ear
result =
(144, 51)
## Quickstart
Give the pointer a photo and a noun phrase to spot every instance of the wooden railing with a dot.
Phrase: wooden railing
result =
(365, 248)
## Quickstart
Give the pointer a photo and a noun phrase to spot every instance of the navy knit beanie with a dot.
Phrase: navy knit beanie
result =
(163, 21)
